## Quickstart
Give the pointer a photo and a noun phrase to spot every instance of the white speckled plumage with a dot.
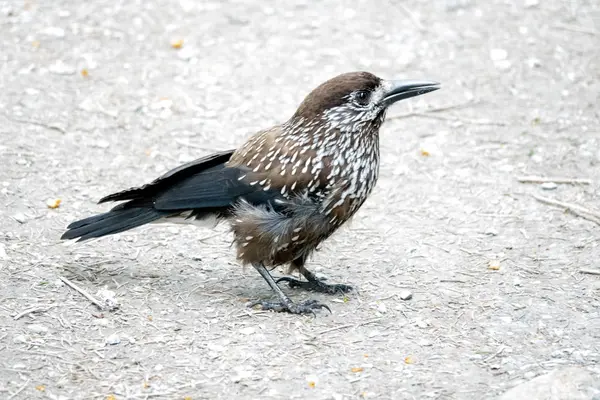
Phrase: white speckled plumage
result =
(326, 159)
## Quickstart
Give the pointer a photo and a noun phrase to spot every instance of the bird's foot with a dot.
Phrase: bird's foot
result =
(306, 307)
(316, 285)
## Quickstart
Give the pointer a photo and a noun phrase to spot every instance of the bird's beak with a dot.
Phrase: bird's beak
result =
(399, 90)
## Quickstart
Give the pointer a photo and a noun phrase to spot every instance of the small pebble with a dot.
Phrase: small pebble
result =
(548, 185)
(529, 375)
(20, 339)
(498, 54)
(102, 144)
(61, 68)
(533, 62)
(113, 339)
(3, 255)
(108, 298)
(38, 328)
(187, 53)
(517, 282)
(20, 218)
(491, 232)
(53, 31)
(405, 295)
(101, 321)
(503, 65)
(248, 330)
(531, 3)
(421, 324)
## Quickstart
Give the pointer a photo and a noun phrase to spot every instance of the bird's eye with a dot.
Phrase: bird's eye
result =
(362, 98)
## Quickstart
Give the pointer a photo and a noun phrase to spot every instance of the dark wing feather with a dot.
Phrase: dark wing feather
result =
(220, 186)
(206, 183)
(165, 181)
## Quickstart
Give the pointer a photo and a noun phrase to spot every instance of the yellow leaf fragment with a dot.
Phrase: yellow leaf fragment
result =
(111, 397)
(177, 44)
(187, 398)
(312, 381)
(145, 385)
(425, 152)
(85, 73)
(409, 360)
(150, 318)
(357, 369)
(41, 388)
(494, 265)
(53, 203)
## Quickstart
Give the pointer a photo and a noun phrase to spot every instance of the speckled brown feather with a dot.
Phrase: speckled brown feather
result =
(294, 226)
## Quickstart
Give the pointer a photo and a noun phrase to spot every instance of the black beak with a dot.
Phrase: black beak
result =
(400, 90)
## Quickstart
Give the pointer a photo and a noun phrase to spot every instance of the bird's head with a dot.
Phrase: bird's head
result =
(353, 99)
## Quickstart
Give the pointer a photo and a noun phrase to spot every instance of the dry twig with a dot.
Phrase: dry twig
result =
(32, 310)
(337, 328)
(539, 179)
(590, 271)
(573, 208)
(37, 123)
(496, 354)
(575, 28)
(15, 394)
(82, 292)
(413, 17)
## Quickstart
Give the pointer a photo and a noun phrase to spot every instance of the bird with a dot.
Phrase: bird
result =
(283, 192)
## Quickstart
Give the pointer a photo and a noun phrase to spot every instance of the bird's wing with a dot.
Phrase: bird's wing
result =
(206, 183)
(171, 177)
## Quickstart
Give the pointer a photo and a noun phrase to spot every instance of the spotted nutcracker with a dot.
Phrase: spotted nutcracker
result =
(286, 190)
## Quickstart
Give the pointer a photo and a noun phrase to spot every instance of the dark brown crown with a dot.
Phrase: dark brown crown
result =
(334, 93)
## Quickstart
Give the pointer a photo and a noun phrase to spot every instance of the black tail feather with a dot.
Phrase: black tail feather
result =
(115, 221)
(203, 186)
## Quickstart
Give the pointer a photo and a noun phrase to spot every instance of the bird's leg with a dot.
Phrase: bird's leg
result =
(312, 283)
(285, 304)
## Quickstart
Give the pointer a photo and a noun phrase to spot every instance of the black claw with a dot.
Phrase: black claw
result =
(306, 307)
(315, 286)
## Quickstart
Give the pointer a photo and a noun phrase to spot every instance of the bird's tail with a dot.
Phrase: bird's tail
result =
(197, 189)
(119, 219)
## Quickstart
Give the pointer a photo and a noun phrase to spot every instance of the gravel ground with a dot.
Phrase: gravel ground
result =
(96, 97)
